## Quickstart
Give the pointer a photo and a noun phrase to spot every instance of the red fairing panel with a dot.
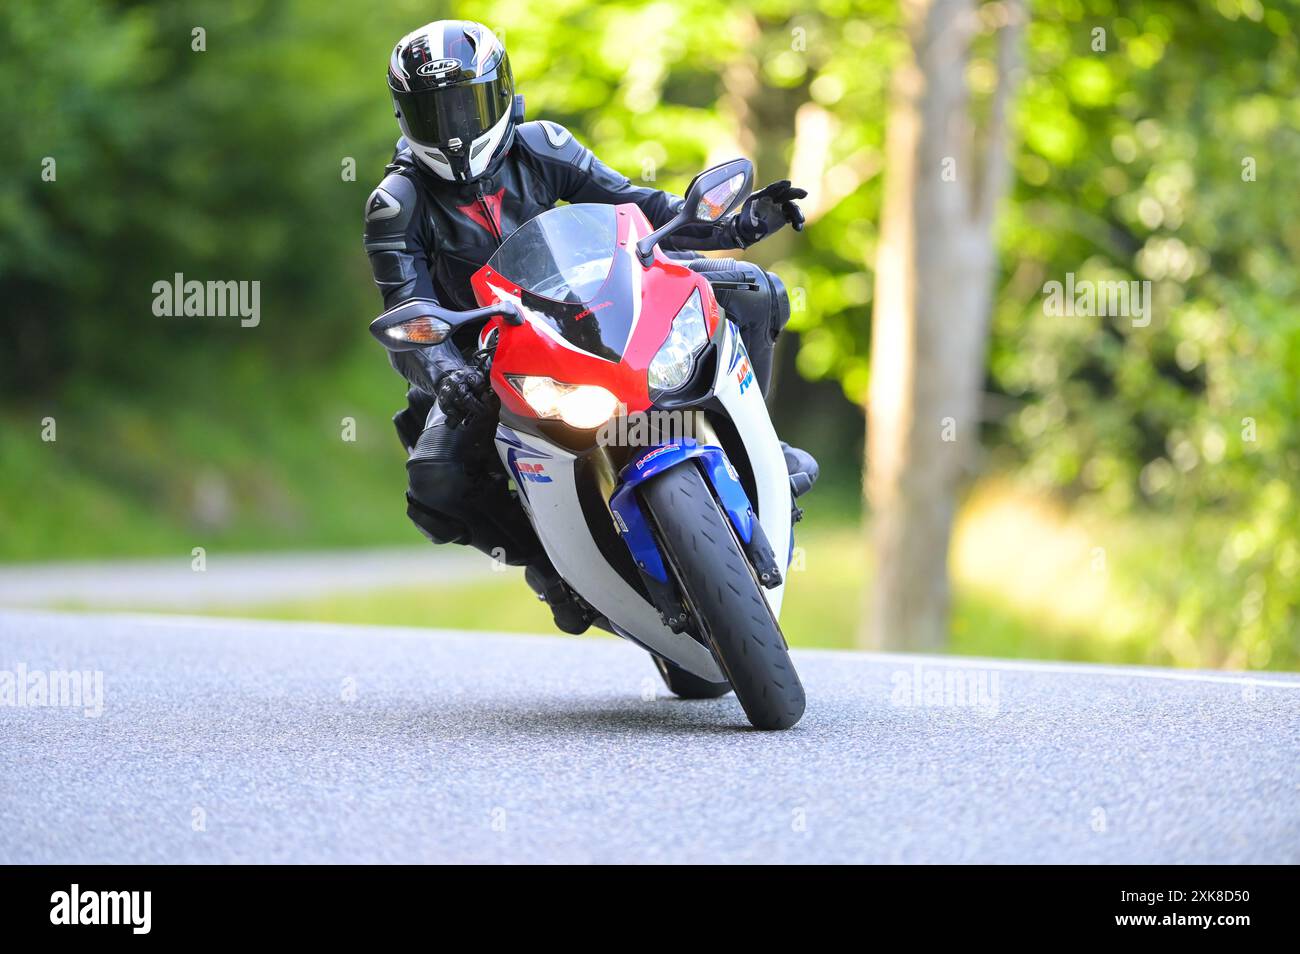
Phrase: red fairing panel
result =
(653, 295)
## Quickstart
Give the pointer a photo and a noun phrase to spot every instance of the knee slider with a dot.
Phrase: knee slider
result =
(436, 499)
(436, 527)
(779, 302)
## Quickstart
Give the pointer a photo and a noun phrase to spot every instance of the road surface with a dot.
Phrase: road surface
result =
(232, 741)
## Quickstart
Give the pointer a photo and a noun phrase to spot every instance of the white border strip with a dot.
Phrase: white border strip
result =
(1077, 669)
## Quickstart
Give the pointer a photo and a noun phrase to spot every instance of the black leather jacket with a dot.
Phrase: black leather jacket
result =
(426, 236)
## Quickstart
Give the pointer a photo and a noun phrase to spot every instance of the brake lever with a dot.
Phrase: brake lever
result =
(483, 359)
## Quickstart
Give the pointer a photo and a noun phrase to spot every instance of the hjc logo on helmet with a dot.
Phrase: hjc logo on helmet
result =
(439, 67)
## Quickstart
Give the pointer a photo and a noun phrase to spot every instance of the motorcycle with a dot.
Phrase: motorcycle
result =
(636, 437)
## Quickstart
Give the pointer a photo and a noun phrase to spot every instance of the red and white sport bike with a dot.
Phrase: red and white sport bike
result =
(637, 438)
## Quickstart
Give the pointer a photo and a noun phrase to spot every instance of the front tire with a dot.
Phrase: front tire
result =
(687, 685)
(728, 602)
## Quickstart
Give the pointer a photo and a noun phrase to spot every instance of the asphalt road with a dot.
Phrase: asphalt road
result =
(227, 741)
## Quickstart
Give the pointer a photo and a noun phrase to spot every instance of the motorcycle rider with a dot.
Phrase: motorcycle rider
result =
(467, 171)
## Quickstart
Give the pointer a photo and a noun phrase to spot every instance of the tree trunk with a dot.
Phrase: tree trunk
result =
(934, 272)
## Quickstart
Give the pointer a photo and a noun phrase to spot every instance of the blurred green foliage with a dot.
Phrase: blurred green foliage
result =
(231, 163)
(1173, 157)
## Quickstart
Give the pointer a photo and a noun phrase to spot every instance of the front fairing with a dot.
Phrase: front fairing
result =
(572, 272)
(603, 325)
(606, 334)
(606, 338)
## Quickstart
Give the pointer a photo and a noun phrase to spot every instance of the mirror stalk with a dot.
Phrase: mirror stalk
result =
(645, 249)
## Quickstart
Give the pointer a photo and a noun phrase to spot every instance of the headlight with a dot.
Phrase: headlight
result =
(583, 406)
(672, 366)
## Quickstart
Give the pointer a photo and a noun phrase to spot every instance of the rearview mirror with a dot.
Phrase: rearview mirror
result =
(713, 194)
(717, 191)
(421, 323)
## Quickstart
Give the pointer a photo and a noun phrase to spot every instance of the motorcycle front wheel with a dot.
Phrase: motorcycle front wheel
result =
(725, 596)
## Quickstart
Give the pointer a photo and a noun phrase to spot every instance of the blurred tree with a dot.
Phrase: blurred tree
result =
(934, 276)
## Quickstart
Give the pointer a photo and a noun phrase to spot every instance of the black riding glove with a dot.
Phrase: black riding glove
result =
(465, 396)
(767, 210)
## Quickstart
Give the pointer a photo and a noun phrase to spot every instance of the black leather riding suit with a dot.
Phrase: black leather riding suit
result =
(426, 236)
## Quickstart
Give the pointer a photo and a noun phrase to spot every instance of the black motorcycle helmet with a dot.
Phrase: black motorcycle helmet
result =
(454, 97)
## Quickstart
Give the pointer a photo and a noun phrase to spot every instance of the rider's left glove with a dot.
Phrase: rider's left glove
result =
(465, 396)
(767, 210)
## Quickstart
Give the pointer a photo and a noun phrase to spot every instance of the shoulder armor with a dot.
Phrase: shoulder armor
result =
(551, 141)
(389, 211)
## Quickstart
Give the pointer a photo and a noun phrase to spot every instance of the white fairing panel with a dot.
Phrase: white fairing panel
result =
(548, 489)
(737, 389)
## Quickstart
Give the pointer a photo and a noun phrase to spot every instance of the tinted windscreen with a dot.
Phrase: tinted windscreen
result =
(564, 254)
(574, 274)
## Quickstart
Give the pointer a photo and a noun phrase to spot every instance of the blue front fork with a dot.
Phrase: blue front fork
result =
(635, 529)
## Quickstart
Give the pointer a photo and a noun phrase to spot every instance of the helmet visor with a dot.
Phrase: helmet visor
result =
(434, 117)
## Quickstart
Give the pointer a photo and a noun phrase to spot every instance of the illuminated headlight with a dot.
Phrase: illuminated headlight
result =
(672, 366)
(583, 406)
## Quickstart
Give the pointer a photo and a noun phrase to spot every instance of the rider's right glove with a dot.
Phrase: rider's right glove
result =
(768, 210)
(465, 396)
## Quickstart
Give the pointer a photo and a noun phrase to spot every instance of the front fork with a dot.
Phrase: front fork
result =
(634, 528)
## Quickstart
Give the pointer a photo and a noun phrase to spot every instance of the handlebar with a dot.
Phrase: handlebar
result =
(731, 278)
